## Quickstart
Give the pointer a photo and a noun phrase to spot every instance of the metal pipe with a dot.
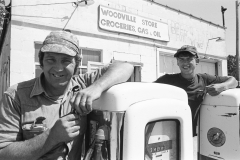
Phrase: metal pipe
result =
(223, 10)
(237, 43)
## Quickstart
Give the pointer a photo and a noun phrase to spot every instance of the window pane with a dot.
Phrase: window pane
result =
(37, 48)
(38, 71)
(168, 65)
(81, 71)
(90, 55)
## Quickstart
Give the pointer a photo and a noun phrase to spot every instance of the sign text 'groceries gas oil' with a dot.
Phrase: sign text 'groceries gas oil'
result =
(118, 21)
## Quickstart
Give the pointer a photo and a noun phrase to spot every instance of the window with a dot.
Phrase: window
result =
(38, 70)
(88, 55)
(136, 75)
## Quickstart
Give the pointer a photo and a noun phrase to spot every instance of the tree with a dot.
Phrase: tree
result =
(231, 66)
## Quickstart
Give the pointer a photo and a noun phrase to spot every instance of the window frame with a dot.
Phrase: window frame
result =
(82, 67)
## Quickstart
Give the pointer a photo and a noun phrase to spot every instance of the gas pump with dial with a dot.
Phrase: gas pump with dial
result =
(145, 121)
(219, 127)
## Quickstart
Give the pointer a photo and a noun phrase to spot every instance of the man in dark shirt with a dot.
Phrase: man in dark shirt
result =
(196, 85)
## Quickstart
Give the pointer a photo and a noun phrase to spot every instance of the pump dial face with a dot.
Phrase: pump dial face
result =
(216, 137)
(162, 140)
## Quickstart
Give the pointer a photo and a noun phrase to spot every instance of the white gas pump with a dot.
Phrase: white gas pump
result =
(219, 127)
(144, 121)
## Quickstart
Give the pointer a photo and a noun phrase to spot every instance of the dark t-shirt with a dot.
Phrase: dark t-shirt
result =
(195, 88)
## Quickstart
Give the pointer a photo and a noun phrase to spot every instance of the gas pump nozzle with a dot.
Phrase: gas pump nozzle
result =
(203, 93)
(99, 148)
(74, 90)
(73, 110)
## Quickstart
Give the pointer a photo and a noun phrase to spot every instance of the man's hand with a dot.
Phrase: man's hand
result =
(116, 73)
(82, 100)
(67, 128)
(215, 89)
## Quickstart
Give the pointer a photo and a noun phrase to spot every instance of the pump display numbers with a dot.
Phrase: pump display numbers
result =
(160, 146)
(162, 140)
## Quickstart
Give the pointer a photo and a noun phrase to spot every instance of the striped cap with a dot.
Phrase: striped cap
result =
(61, 42)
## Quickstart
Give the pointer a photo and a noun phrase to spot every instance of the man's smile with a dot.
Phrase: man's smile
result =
(57, 75)
(186, 67)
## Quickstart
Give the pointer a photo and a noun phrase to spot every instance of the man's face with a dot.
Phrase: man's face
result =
(187, 63)
(58, 70)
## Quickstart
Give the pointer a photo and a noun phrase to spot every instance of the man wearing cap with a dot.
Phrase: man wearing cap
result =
(45, 118)
(196, 85)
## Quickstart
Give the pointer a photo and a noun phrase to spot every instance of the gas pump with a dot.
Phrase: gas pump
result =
(141, 121)
(219, 127)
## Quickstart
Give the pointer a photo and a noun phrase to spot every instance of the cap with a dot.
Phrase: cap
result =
(61, 42)
(186, 48)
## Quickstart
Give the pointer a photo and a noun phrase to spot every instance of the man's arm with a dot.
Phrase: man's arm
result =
(26, 150)
(64, 130)
(216, 89)
(116, 73)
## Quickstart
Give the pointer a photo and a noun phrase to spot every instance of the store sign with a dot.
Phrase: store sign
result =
(117, 21)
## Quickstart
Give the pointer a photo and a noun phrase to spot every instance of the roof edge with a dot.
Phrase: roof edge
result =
(190, 15)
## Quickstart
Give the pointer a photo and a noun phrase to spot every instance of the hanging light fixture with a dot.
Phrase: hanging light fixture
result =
(79, 3)
(84, 3)
(218, 39)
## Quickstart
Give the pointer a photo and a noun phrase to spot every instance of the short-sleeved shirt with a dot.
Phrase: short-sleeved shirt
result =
(195, 87)
(27, 102)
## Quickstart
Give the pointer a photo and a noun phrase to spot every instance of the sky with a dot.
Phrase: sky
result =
(210, 10)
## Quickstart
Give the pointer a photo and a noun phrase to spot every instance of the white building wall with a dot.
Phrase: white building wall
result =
(22, 52)
(33, 22)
